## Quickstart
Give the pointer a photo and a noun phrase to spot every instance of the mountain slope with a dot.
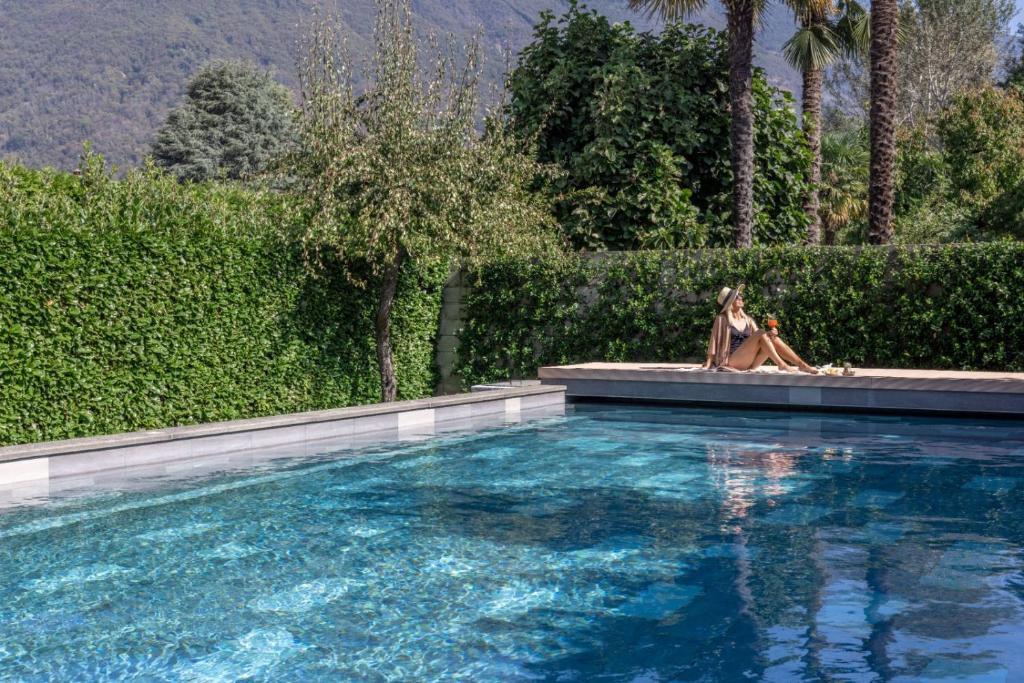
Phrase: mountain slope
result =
(108, 72)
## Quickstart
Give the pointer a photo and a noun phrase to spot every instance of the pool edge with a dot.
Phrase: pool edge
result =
(41, 460)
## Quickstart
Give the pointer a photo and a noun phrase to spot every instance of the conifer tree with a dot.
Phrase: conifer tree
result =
(233, 122)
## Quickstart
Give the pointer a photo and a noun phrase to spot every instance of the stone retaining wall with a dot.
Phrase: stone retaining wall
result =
(453, 313)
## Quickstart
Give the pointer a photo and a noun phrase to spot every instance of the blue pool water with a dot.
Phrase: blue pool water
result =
(617, 543)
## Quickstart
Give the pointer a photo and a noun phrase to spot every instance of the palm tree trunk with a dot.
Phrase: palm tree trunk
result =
(740, 19)
(884, 18)
(810, 119)
(382, 328)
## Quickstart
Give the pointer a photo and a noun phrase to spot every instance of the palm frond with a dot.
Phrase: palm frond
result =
(669, 10)
(759, 11)
(854, 29)
(812, 47)
(812, 11)
(847, 149)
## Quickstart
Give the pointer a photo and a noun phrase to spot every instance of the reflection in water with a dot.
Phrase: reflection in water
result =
(897, 597)
(619, 543)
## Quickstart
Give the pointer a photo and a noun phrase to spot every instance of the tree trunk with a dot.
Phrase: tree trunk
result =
(810, 119)
(884, 18)
(829, 236)
(740, 18)
(382, 328)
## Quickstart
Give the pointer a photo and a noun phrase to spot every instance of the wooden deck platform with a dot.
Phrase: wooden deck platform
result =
(869, 390)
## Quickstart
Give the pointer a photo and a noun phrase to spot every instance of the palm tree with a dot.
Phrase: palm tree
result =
(741, 18)
(844, 193)
(827, 30)
(884, 27)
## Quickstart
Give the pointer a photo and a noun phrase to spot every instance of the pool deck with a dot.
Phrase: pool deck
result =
(869, 390)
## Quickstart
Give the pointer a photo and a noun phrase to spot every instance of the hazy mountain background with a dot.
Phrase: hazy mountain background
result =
(108, 71)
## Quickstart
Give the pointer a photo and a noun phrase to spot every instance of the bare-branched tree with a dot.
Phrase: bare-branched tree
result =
(948, 46)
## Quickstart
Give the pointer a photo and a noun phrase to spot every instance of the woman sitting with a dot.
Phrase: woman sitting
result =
(737, 343)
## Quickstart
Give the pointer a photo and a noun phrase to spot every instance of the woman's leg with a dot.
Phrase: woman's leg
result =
(790, 355)
(759, 359)
(754, 351)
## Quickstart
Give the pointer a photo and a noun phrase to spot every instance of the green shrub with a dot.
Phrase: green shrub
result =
(925, 307)
(145, 303)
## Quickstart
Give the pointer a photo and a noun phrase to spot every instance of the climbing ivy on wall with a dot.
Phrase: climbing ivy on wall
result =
(953, 307)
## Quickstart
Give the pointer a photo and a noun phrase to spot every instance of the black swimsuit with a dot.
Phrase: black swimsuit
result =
(738, 337)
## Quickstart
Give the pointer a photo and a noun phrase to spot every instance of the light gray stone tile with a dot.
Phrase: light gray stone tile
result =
(497, 406)
(377, 437)
(416, 420)
(90, 461)
(541, 401)
(452, 413)
(21, 471)
(330, 445)
(413, 436)
(267, 438)
(328, 430)
(455, 426)
(513, 406)
(557, 410)
(60, 485)
(487, 421)
(375, 423)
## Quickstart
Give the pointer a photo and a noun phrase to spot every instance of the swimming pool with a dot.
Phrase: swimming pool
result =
(628, 543)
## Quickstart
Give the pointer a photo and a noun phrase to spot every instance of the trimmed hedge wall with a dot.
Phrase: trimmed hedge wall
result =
(958, 306)
(144, 303)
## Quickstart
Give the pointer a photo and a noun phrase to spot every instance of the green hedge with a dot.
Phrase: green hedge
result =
(958, 306)
(143, 303)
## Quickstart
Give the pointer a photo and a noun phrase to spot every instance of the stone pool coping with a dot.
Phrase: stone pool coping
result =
(869, 390)
(56, 458)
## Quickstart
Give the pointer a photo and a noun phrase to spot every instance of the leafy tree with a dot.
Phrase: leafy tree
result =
(397, 175)
(980, 135)
(826, 31)
(233, 122)
(961, 177)
(921, 212)
(741, 17)
(640, 123)
(884, 72)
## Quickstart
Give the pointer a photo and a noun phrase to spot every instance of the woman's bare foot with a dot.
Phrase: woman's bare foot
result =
(809, 369)
(787, 368)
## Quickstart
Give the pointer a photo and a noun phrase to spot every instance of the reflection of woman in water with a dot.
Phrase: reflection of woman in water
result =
(738, 344)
